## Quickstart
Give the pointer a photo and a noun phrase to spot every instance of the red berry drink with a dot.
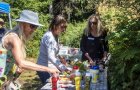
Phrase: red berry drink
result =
(54, 82)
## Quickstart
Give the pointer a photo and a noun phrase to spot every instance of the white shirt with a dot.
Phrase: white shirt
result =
(48, 52)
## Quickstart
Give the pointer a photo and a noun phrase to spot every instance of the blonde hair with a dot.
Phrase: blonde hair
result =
(100, 28)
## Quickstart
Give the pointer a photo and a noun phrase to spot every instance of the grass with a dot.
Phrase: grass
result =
(30, 79)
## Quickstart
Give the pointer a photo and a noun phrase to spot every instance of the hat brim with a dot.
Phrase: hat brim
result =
(37, 24)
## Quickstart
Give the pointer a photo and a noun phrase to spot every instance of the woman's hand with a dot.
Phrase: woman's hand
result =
(62, 60)
(104, 59)
(92, 63)
(104, 56)
(89, 58)
(86, 54)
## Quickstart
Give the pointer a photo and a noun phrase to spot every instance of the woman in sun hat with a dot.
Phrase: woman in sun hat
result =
(14, 42)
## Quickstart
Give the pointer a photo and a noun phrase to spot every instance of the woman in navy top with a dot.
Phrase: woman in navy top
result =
(93, 43)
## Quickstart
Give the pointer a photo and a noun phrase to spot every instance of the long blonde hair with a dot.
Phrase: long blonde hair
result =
(19, 31)
(100, 28)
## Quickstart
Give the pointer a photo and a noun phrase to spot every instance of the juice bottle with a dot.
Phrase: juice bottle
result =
(77, 80)
(95, 74)
(54, 82)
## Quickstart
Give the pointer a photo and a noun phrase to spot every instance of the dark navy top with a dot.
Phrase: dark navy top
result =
(94, 46)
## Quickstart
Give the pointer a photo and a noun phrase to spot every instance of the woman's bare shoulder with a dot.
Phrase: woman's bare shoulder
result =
(11, 39)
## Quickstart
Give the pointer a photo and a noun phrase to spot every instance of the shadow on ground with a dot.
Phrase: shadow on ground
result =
(32, 84)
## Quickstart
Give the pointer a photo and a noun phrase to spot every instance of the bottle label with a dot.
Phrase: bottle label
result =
(95, 76)
(54, 82)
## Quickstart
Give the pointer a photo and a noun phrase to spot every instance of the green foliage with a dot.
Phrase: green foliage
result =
(123, 25)
(75, 10)
(73, 34)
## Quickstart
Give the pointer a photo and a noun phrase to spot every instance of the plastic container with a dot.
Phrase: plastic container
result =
(101, 77)
(54, 82)
(74, 69)
(77, 80)
(95, 74)
(87, 80)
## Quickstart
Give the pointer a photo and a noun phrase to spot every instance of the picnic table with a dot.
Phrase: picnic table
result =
(100, 85)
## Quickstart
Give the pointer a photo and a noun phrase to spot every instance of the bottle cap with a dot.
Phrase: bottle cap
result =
(75, 67)
(95, 67)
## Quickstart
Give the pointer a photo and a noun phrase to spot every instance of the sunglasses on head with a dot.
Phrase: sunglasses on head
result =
(33, 26)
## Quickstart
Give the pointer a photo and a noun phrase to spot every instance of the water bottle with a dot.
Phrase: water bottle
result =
(101, 77)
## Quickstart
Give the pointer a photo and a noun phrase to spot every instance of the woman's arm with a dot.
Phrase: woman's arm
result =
(16, 45)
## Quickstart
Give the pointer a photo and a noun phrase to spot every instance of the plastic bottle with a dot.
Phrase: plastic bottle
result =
(101, 77)
(77, 79)
(74, 69)
(87, 80)
(95, 74)
(54, 82)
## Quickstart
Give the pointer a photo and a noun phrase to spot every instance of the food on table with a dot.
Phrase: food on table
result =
(64, 79)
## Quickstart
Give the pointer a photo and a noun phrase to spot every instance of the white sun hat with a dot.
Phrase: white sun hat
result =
(29, 17)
